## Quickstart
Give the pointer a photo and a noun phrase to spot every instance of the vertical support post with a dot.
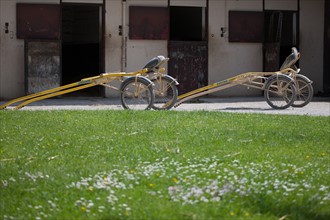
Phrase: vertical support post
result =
(124, 37)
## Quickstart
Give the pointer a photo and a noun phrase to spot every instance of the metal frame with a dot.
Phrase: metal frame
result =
(257, 80)
(286, 83)
(102, 80)
(152, 74)
(248, 79)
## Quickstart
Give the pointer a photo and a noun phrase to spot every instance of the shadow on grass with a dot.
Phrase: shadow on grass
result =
(288, 210)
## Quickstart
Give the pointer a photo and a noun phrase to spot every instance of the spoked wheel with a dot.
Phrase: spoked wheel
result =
(166, 93)
(137, 94)
(280, 91)
(304, 91)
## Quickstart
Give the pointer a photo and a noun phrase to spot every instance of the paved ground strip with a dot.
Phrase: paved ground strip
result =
(318, 106)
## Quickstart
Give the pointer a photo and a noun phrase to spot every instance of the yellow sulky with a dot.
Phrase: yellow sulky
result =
(147, 88)
(282, 89)
(102, 80)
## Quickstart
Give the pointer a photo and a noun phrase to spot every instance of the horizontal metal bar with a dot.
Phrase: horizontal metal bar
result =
(54, 94)
(86, 82)
(39, 94)
(218, 88)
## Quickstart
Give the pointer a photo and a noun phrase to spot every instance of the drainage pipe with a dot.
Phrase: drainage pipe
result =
(124, 38)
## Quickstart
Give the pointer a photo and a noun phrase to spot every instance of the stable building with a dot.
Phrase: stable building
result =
(45, 44)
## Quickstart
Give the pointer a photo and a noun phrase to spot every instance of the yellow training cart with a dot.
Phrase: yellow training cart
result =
(282, 89)
(143, 89)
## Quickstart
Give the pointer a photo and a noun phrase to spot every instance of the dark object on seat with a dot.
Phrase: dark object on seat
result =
(154, 64)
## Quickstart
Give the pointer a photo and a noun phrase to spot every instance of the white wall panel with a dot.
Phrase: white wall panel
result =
(12, 54)
(227, 59)
(113, 41)
(195, 3)
(140, 51)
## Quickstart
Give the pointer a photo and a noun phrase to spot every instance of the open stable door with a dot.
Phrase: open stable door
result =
(82, 44)
(63, 44)
(280, 35)
(188, 47)
(39, 25)
(271, 58)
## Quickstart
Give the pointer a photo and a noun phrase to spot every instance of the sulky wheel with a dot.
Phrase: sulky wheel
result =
(166, 93)
(137, 93)
(304, 91)
(280, 91)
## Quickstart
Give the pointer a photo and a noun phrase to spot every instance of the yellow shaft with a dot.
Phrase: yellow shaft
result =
(54, 94)
(39, 94)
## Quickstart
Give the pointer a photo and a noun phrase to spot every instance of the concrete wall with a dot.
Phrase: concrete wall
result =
(12, 51)
(225, 59)
(229, 59)
(140, 51)
(12, 54)
(113, 41)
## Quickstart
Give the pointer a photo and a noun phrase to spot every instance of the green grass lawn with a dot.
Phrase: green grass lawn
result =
(163, 165)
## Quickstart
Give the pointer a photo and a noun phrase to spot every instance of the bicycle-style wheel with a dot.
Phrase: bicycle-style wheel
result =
(166, 93)
(137, 94)
(280, 91)
(304, 91)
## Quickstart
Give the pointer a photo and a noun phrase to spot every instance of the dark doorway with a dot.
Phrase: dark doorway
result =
(186, 23)
(82, 45)
(281, 28)
(188, 47)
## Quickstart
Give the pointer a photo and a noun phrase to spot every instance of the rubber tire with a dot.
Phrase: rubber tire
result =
(303, 83)
(159, 101)
(128, 85)
(280, 79)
